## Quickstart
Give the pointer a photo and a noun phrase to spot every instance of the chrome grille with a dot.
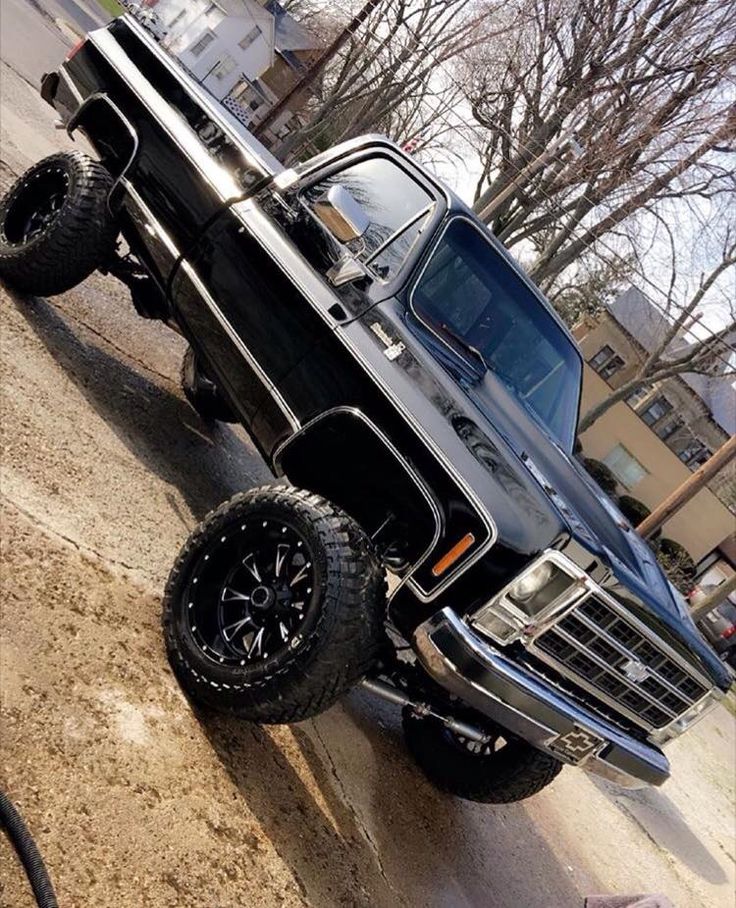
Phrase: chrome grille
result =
(602, 649)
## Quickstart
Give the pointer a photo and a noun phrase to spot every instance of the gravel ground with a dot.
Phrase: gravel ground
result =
(137, 800)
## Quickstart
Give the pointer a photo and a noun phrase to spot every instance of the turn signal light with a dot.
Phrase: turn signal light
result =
(456, 552)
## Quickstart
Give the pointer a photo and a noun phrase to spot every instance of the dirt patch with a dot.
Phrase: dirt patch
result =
(135, 800)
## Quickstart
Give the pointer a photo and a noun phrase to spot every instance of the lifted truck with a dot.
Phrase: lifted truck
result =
(419, 398)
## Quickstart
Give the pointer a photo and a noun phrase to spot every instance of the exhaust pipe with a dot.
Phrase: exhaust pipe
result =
(392, 694)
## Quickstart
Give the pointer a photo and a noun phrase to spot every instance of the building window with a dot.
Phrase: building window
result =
(636, 397)
(249, 38)
(658, 408)
(611, 367)
(606, 362)
(669, 428)
(624, 466)
(201, 44)
(601, 357)
(695, 454)
(224, 67)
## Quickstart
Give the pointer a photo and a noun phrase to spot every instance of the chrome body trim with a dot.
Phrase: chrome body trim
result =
(165, 115)
(238, 342)
(69, 82)
(256, 154)
(411, 472)
(150, 218)
(265, 233)
(527, 706)
(74, 124)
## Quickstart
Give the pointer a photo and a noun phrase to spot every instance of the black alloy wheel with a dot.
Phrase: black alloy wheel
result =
(274, 607)
(55, 225)
(35, 207)
(262, 581)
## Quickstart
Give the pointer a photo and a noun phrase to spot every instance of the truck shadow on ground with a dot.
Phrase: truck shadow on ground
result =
(207, 463)
(356, 822)
(661, 820)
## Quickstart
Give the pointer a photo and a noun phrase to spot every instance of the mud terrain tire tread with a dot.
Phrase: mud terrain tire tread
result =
(80, 240)
(513, 773)
(342, 647)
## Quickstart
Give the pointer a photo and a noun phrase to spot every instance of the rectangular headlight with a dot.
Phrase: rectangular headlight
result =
(546, 586)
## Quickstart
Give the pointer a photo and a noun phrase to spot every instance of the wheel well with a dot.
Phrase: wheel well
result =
(344, 457)
(112, 135)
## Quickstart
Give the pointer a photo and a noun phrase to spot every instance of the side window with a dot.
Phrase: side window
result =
(397, 207)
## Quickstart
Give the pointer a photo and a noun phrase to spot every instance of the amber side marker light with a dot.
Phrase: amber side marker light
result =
(449, 558)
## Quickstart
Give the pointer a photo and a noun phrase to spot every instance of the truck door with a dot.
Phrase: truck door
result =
(257, 296)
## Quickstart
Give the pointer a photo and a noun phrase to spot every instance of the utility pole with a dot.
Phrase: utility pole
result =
(316, 68)
(724, 455)
(709, 602)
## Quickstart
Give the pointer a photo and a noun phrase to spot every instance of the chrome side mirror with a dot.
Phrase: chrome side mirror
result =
(341, 214)
(346, 270)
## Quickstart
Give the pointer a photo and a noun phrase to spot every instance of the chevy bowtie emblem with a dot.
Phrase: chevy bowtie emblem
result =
(635, 671)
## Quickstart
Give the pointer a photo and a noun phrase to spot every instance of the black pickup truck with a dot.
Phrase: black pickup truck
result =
(430, 535)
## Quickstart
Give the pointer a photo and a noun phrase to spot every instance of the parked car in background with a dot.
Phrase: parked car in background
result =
(719, 626)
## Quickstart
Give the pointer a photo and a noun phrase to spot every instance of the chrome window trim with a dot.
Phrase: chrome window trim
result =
(260, 228)
(238, 342)
(412, 473)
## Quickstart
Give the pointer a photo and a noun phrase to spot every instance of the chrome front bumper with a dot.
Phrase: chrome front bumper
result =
(531, 708)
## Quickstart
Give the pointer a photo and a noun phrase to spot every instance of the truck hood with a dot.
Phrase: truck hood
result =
(592, 518)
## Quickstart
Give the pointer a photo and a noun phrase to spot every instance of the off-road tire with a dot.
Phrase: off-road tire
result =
(80, 237)
(513, 773)
(202, 393)
(340, 647)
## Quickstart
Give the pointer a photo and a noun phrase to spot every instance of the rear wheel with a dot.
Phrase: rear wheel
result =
(497, 772)
(55, 226)
(202, 393)
(274, 607)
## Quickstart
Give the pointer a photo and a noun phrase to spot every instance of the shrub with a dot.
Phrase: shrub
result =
(602, 475)
(677, 564)
(633, 510)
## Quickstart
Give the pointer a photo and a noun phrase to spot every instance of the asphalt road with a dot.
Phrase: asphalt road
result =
(135, 799)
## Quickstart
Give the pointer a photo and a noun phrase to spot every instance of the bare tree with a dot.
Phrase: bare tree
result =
(389, 78)
(590, 112)
(674, 354)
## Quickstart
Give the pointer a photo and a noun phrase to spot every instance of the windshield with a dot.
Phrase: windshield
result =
(468, 292)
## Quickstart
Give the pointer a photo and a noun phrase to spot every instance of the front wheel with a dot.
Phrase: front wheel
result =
(55, 226)
(274, 607)
(498, 772)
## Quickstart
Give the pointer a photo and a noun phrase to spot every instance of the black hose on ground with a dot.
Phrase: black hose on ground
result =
(12, 822)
